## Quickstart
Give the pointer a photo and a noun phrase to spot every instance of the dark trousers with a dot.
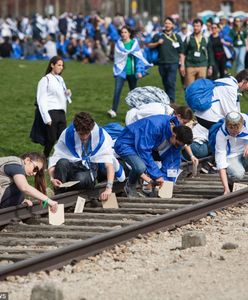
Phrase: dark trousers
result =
(168, 73)
(219, 70)
(75, 171)
(119, 82)
(11, 197)
(54, 131)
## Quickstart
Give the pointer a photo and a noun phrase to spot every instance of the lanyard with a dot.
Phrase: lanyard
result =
(198, 43)
(173, 40)
(60, 82)
(86, 152)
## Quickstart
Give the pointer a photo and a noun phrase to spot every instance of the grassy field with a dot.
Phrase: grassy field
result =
(92, 87)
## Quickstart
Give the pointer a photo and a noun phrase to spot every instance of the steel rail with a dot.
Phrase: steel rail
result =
(16, 213)
(21, 212)
(91, 246)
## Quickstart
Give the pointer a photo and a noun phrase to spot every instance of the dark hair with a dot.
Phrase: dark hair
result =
(53, 61)
(183, 134)
(169, 19)
(83, 122)
(39, 178)
(242, 75)
(197, 21)
(210, 20)
(216, 24)
(129, 30)
(184, 111)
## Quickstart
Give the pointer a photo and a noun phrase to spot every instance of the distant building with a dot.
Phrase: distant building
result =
(186, 9)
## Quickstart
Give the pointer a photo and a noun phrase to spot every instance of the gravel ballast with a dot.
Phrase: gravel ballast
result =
(156, 266)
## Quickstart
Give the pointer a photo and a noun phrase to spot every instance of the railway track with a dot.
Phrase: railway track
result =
(29, 244)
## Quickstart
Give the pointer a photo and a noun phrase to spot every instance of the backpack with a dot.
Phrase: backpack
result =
(199, 94)
(113, 129)
(212, 134)
(151, 55)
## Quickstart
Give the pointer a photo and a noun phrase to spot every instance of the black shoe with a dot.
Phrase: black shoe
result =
(230, 185)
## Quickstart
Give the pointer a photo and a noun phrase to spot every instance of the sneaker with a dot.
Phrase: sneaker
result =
(111, 113)
(131, 191)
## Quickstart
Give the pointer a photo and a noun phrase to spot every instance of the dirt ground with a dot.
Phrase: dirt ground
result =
(155, 267)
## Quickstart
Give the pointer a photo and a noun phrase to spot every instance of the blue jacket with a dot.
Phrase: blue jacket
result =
(145, 135)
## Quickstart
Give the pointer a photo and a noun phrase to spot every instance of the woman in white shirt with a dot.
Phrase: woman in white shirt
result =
(52, 97)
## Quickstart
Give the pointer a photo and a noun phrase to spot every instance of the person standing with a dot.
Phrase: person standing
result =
(240, 43)
(198, 58)
(52, 98)
(170, 48)
(129, 64)
(218, 42)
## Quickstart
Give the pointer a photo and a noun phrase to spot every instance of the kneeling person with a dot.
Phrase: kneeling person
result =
(231, 149)
(137, 142)
(81, 147)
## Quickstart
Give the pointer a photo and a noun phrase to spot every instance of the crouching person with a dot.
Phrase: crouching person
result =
(137, 142)
(231, 149)
(80, 149)
(14, 185)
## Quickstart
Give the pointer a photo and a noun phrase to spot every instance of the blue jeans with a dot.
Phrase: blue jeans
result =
(237, 167)
(119, 82)
(168, 73)
(199, 150)
(12, 196)
(240, 58)
(137, 165)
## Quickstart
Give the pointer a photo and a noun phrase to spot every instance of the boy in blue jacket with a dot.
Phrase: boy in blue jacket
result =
(137, 142)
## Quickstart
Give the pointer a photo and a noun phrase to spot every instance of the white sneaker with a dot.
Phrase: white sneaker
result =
(111, 113)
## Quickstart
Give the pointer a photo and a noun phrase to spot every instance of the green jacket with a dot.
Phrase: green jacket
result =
(205, 56)
(167, 53)
(238, 37)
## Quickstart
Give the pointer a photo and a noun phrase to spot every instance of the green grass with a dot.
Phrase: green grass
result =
(92, 87)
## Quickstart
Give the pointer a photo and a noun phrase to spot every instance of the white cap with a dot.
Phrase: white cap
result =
(234, 118)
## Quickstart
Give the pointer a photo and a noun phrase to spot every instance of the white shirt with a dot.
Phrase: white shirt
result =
(235, 145)
(51, 49)
(228, 96)
(147, 110)
(51, 95)
(200, 134)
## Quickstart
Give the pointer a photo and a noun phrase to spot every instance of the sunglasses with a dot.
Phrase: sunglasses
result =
(35, 168)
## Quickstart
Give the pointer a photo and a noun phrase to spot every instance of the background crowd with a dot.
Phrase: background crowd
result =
(91, 39)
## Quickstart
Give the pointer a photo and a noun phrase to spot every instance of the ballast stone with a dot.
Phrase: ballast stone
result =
(48, 291)
(193, 239)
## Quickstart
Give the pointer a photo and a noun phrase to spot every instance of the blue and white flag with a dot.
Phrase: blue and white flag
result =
(121, 54)
(100, 149)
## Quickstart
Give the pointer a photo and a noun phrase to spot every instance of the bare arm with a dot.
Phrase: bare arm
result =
(182, 64)
(110, 178)
(55, 182)
(22, 184)
(224, 181)
(194, 160)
